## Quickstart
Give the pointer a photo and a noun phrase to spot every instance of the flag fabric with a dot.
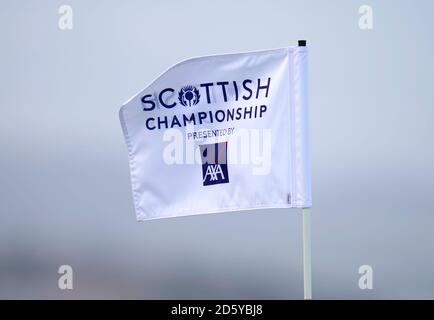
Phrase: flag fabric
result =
(221, 133)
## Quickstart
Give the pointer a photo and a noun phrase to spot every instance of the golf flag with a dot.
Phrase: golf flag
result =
(221, 133)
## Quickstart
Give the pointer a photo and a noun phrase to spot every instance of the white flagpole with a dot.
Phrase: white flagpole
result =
(307, 263)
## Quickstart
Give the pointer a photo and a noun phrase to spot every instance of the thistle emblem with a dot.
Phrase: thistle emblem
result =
(189, 96)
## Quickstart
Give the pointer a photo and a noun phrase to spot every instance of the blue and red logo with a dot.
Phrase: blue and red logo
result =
(214, 163)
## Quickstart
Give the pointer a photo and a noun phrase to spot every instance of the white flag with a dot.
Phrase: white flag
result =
(221, 133)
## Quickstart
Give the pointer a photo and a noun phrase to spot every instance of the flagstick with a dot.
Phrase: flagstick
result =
(307, 262)
(307, 269)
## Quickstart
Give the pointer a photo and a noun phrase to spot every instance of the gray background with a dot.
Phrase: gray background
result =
(64, 180)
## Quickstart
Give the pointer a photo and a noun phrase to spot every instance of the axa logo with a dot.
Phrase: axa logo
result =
(188, 96)
(214, 163)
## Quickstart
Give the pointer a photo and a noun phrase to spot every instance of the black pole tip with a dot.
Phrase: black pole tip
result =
(302, 43)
